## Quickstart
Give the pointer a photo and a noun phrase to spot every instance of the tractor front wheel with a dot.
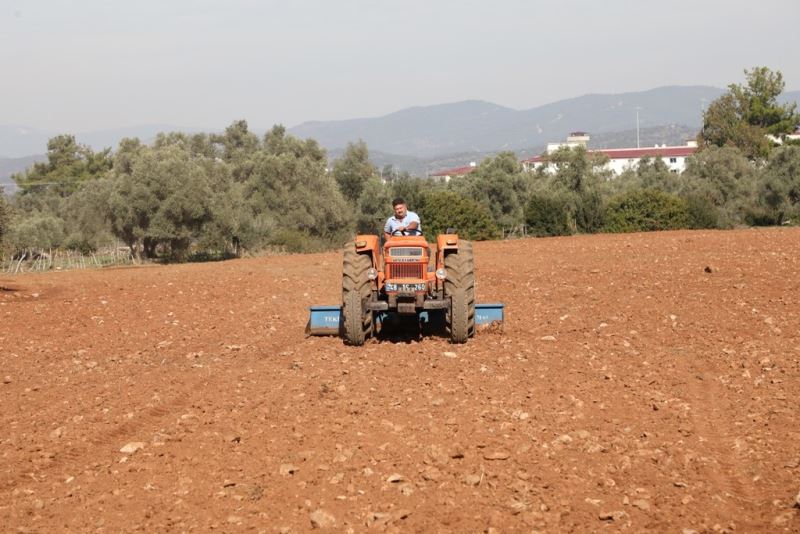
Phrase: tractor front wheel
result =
(459, 316)
(356, 289)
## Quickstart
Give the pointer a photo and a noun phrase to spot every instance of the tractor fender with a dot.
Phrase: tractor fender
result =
(368, 244)
(447, 242)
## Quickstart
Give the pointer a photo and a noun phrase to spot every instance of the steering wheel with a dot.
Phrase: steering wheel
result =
(406, 232)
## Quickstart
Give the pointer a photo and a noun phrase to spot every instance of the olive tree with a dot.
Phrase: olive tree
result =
(292, 195)
(353, 170)
(778, 189)
(499, 184)
(162, 198)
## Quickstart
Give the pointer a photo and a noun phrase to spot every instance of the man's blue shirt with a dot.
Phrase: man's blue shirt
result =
(393, 223)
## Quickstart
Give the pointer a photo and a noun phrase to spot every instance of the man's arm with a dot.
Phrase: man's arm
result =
(387, 229)
(401, 228)
(414, 222)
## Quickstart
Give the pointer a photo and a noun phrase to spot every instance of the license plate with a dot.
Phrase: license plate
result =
(407, 288)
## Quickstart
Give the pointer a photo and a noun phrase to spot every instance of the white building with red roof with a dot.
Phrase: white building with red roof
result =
(447, 174)
(620, 159)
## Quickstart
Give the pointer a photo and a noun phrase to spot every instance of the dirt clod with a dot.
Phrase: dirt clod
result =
(322, 519)
(132, 447)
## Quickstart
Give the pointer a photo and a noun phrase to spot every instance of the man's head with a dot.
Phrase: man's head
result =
(400, 207)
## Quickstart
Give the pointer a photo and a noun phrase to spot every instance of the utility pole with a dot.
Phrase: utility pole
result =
(637, 127)
(703, 103)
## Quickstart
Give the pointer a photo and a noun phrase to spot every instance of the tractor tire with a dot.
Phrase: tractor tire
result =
(356, 289)
(465, 247)
(460, 287)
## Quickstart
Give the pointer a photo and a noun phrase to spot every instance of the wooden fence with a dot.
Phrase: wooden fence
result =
(60, 260)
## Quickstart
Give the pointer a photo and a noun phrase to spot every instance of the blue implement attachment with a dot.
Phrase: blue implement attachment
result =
(489, 314)
(326, 320)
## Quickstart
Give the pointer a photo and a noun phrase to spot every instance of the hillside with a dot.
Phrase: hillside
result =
(436, 137)
(642, 382)
(475, 126)
(18, 141)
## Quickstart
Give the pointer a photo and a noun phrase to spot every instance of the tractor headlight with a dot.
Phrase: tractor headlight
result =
(391, 287)
(441, 274)
(372, 274)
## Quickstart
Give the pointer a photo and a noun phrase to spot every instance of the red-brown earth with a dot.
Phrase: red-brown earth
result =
(641, 382)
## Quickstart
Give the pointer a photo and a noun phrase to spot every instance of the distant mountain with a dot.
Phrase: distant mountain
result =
(17, 141)
(421, 137)
(9, 166)
(418, 131)
(790, 96)
(476, 126)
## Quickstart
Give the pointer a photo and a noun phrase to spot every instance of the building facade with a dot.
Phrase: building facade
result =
(619, 159)
(447, 174)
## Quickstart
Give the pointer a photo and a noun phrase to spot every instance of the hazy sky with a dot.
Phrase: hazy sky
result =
(78, 65)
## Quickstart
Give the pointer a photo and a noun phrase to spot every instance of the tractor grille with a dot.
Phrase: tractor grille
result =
(406, 270)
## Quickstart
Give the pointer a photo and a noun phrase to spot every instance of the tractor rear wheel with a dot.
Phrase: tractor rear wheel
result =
(460, 287)
(356, 289)
(465, 247)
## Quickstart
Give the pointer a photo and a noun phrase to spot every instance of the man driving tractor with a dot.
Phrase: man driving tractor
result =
(400, 283)
(403, 222)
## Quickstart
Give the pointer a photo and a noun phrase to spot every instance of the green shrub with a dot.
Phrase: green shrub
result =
(296, 241)
(547, 215)
(36, 231)
(778, 190)
(764, 216)
(79, 244)
(5, 216)
(646, 210)
(589, 211)
(445, 209)
(702, 212)
(202, 256)
(290, 240)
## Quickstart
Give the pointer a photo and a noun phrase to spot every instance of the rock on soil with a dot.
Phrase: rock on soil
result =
(132, 447)
(322, 519)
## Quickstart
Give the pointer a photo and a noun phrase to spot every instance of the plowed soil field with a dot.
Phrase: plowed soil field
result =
(644, 382)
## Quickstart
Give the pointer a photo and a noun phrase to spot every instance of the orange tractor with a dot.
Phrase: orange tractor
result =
(403, 279)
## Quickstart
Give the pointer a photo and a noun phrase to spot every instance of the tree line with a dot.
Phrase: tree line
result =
(219, 195)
